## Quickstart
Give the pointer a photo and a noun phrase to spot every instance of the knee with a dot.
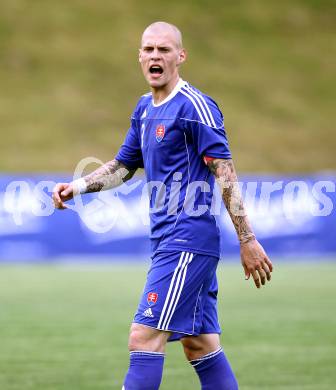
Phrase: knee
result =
(135, 340)
(142, 338)
(192, 349)
(197, 347)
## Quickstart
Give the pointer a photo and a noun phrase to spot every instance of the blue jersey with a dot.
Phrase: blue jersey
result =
(169, 140)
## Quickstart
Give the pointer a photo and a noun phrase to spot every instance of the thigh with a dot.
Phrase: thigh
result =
(176, 283)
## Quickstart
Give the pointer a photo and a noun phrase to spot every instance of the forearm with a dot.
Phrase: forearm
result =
(227, 181)
(110, 175)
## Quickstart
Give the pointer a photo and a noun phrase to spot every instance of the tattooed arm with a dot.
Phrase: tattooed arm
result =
(110, 175)
(227, 181)
(253, 256)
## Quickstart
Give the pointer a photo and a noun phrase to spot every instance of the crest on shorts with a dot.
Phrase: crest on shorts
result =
(160, 132)
(152, 298)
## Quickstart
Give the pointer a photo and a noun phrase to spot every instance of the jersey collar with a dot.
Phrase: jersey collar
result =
(174, 92)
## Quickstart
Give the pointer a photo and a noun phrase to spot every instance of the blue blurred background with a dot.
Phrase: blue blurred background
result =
(295, 221)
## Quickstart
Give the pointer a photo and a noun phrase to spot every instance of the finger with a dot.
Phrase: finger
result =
(56, 197)
(267, 271)
(56, 191)
(58, 201)
(262, 275)
(67, 191)
(246, 271)
(60, 205)
(256, 278)
(269, 263)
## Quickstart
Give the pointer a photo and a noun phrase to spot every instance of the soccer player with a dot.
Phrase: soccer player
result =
(177, 135)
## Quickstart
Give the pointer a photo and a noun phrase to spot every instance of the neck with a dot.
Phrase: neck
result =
(159, 94)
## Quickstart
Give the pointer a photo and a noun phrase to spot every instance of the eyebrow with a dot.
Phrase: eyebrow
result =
(159, 46)
(150, 45)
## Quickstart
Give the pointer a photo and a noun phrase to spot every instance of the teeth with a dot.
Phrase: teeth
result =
(156, 69)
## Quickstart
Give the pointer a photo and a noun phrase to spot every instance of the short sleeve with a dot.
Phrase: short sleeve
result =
(204, 123)
(130, 153)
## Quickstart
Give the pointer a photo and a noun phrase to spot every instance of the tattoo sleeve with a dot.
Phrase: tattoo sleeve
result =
(110, 175)
(227, 181)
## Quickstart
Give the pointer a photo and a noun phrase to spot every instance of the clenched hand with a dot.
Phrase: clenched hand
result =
(62, 192)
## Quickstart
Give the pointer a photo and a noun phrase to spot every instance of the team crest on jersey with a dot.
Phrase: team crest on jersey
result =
(152, 298)
(160, 132)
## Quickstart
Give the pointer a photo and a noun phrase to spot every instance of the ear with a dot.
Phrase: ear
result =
(182, 56)
(140, 58)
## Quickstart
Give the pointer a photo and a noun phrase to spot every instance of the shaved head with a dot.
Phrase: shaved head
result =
(160, 55)
(165, 28)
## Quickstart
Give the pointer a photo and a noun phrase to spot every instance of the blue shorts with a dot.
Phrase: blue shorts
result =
(180, 295)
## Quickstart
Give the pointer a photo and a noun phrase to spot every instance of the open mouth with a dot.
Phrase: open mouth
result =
(155, 69)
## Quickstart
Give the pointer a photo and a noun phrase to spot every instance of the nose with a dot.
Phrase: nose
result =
(155, 54)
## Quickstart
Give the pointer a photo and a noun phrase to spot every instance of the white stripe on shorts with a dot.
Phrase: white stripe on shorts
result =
(174, 291)
(170, 288)
(180, 291)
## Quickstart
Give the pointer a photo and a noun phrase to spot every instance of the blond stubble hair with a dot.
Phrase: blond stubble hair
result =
(164, 26)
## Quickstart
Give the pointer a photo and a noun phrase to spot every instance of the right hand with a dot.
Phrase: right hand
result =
(62, 192)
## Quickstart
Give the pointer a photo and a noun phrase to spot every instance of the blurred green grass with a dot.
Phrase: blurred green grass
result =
(66, 328)
(70, 78)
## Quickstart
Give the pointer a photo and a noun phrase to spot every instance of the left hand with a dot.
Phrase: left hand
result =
(255, 262)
